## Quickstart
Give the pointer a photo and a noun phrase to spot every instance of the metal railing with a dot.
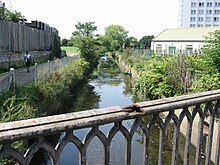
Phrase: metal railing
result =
(20, 77)
(194, 117)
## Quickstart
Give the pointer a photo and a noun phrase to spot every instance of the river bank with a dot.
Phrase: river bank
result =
(126, 68)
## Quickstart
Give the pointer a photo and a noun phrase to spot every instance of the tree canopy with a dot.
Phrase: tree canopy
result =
(114, 38)
(9, 15)
(85, 39)
(145, 42)
(212, 49)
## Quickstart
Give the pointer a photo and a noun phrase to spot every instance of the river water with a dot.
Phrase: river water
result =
(108, 88)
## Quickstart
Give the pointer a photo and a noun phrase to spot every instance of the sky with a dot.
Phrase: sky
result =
(138, 17)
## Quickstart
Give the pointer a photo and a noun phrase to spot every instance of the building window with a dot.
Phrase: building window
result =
(208, 25)
(209, 4)
(159, 48)
(216, 19)
(201, 4)
(217, 12)
(200, 19)
(192, 25)
(208, 12)
(192, 19)
(217, 4)
(201, 11)
(200, 25)
(189, 48)
(215, 25)
(193, 4)
(208, 19)
(193, 11)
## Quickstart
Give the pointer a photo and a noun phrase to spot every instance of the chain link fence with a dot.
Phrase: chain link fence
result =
(21, 77)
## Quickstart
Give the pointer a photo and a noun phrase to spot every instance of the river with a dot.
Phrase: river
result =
(109, 88)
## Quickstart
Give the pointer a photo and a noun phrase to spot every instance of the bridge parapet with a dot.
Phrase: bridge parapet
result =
(194, 116)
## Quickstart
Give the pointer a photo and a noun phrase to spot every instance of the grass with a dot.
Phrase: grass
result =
(70, 50)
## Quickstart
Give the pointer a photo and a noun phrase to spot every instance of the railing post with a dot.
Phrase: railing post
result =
(36, 73)
(48, 67)
(12, 78)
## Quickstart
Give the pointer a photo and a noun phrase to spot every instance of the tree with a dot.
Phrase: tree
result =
(212, 49)
(131, 42)
(14, 16)
(114, 38)
(85, 39)
(2, 11)
(8, 15)
(64, 42)
(145, 42)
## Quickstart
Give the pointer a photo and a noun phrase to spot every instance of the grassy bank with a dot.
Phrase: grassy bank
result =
(162, 76)
(70, 50)
(45, 97)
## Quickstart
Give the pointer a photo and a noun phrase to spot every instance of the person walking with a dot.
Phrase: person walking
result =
(27, 60)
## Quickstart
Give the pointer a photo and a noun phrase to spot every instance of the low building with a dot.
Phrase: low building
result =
(182, 40)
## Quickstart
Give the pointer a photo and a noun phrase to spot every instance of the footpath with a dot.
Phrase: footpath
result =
(22, 77)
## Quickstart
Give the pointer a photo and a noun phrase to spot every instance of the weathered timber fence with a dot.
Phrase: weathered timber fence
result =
(189, 111)
(15, 39)
(19, 38)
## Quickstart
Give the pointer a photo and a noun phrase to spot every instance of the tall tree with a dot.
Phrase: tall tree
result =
(131, 42)
(212, 48)
(145, 42)
(114, 38)
(64, 42)
(85, 39)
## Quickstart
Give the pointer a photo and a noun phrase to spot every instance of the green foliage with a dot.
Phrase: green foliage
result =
(15, 107)
(206, 82)
(153, 81)
(2, 11)
(9, 15)
(46, 97)
(70, 50)
(130, 57)
(64, 42)
(145, 42)
(85, 39)
(165, 76)
(114, 38)
(48, 94)
(131, 42)
(212, 49)
(14, 16)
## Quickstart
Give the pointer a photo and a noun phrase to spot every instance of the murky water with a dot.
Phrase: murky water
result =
(104, 91)
(99, 93)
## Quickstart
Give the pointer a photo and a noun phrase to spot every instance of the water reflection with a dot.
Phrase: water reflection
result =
(109, 89)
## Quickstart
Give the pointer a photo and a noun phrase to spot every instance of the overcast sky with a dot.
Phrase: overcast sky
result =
(139, 17)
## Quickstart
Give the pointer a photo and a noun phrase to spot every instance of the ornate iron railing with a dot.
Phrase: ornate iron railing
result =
(180, 130)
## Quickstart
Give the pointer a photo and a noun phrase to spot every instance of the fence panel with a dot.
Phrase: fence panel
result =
(18, 38)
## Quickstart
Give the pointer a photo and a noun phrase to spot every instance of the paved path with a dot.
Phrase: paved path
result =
(23, 78)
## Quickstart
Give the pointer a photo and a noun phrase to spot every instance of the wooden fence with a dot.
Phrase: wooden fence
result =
(18, 38)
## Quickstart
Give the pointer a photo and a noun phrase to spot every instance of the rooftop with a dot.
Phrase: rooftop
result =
(185, 34)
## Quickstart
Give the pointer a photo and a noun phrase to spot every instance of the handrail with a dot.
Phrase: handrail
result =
(187, 114)
(77, 120)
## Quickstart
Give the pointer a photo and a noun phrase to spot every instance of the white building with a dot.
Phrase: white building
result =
(184, 40)
(199, 13)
